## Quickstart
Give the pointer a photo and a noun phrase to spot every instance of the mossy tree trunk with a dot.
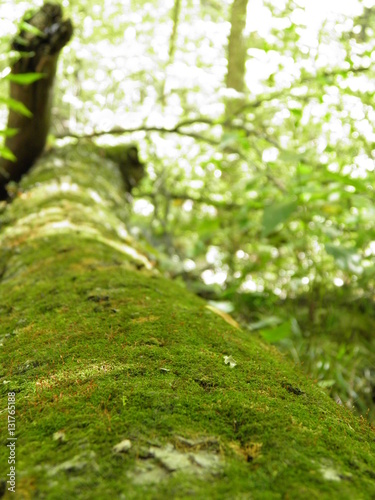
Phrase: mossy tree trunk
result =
(125, 384)
(121, 383)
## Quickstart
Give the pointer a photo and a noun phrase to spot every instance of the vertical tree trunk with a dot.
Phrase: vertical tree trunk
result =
(41, 48)
(175, 18)
(172, 45)
(236, 52)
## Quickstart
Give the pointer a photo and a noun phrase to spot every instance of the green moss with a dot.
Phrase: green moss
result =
(104, 352)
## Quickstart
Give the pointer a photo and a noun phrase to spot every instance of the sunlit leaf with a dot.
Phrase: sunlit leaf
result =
(277, 214)
(24, 78)
(347, 259)
(9, 132)
(25, 26)
(290, 157)
(270, 321)
(278, 333)
(7, 153)
(16, 106)
(326, 383)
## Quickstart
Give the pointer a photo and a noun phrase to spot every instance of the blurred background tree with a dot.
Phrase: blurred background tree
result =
(256, 123)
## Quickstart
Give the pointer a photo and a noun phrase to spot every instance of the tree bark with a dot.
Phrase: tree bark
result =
(40, 51)
(236, 52)
(172, 46)
(124, 383)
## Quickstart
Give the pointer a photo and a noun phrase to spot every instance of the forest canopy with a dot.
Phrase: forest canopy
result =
(258, 145)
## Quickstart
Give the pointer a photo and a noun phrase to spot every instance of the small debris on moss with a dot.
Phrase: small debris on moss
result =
(59, 436)
(122, 447)
(293, 390)
(228, 360)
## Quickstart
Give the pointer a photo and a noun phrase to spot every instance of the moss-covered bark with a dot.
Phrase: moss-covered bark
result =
(101, 350)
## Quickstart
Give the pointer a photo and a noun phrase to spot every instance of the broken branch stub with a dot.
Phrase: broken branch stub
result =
(40, 40)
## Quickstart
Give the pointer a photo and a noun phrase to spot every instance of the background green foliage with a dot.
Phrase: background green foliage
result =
(268, 212)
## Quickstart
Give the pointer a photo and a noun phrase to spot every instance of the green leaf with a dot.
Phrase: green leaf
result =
(29, 28)
(16, 106)
(290, 156)
(9, 132)
(269, 321)
(346, 258)
(276, 334)
(20, 41)
(16, 55)
(24, 78)
(7, 153)
(277, 214)
(208, 226)
(326, 383)
(296, 112)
